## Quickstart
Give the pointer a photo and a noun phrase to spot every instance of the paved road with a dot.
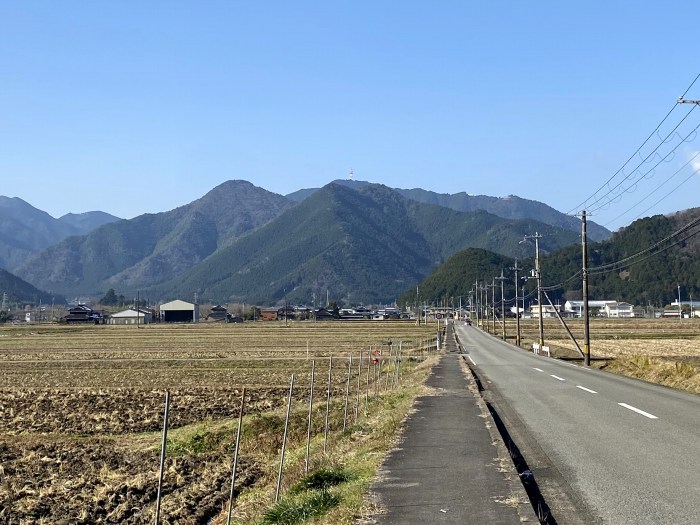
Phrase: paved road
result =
(450, 467)
(619, 451)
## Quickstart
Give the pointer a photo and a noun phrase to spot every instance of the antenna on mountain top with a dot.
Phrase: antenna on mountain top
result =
(350, 175)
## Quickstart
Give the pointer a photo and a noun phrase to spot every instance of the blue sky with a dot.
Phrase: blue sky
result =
(135, 107)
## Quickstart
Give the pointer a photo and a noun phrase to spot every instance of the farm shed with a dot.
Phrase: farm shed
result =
(179, 312)
(131, 316)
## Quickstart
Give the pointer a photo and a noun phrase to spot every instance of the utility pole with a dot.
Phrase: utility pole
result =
(517, 313)
(503, 305)
(485, 311)
(418, 305)
(486, 317)
(478, 304)
(484, 304)
(538, 276)
(586, 317)
(680, 309)
(493, 303)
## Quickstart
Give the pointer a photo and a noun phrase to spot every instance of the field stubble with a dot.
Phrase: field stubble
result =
(82, 409)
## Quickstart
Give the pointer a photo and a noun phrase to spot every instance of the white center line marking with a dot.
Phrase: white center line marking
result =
(557, 377)
(470, 358)
(638, 411)
(586, 389)
(539, 369)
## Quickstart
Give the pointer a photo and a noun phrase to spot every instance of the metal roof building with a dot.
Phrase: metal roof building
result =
(131, 316)
(179, 312)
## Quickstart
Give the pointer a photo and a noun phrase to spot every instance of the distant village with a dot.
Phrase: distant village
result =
(179, 311)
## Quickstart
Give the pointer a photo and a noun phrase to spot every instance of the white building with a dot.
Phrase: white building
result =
(619, 310)
(607, 308)
(131, 316)
(547, 311)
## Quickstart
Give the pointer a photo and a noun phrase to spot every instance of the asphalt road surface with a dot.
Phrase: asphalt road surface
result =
(617, 450)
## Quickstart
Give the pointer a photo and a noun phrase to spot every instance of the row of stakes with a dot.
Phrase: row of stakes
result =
(374, 357)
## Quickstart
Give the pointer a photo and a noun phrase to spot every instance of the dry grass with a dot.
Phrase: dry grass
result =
(82, 408)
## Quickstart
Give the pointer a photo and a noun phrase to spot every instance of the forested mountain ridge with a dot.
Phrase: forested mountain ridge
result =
(20, 291)
(510, 207)
(650, 273)
(368, 244)
(152, 248)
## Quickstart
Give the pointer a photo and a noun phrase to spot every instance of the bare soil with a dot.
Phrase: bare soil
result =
(81, 410)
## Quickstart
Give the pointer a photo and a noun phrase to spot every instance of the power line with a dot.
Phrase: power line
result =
(669, 193)
(679, 241)
(627, 261)
(593, 206)
(657, 189)
(675, 105)
(563, 283)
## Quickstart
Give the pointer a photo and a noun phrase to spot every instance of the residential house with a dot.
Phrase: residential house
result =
(82, 314)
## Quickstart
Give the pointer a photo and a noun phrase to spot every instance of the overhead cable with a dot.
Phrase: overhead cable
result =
(583, 204)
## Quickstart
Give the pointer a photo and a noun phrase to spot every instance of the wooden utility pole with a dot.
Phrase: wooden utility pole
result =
(493, 303)
(584, 254)
(538, 276)
(503, 306)
(517, 312)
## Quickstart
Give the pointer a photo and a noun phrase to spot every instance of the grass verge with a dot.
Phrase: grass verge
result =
(334, 489)
(680, 375)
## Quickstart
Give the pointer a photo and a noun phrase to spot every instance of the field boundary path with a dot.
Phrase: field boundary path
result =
(450, 466)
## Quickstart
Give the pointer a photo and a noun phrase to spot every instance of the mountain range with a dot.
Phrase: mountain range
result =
(239, 242)
(647, 262)
(25, 230)
(510, 207)
(367, 244)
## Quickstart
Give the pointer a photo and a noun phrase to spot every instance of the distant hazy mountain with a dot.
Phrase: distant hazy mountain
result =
(88, 221)
(368, 244)
(25, 230)
(510, 207)
(152, 248)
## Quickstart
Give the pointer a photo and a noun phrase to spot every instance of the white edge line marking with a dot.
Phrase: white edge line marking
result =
(470, 358)
(538, 369)
(557, 377)
(638, 411)
(586, 389)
